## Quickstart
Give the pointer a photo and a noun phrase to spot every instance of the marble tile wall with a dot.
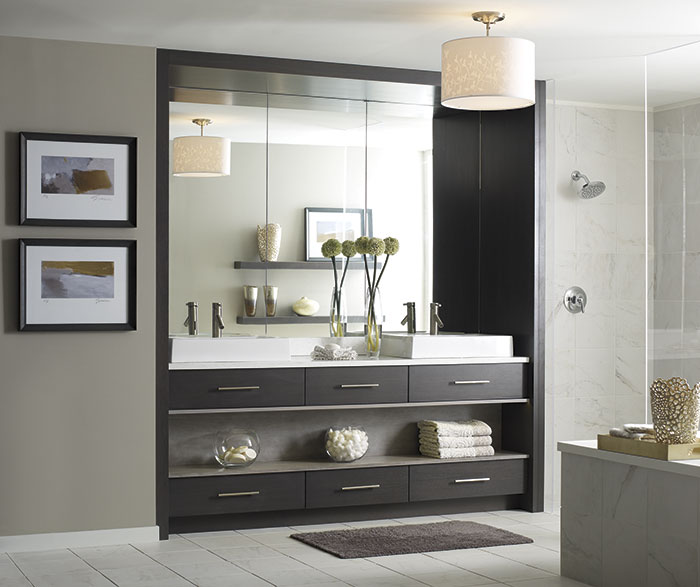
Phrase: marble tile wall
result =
(675, 338)
(595, 362)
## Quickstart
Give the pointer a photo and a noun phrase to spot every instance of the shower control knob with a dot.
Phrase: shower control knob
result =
(575, 300)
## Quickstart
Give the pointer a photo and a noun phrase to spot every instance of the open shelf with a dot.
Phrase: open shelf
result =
(473, 402)
(293, 319)
(324, 265)
(184, 471)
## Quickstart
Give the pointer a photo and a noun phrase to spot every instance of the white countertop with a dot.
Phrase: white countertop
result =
(304, 361)
(588, 448)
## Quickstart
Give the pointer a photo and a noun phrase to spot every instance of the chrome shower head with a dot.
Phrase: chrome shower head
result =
(590, 189)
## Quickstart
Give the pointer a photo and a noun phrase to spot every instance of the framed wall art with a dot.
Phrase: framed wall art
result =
(339, 223)
(77, 180)
(77, 284)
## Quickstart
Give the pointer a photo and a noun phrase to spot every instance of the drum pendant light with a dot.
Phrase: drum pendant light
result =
(488, 73)
(200, 156)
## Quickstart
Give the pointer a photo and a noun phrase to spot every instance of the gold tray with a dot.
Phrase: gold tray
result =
(652, 450)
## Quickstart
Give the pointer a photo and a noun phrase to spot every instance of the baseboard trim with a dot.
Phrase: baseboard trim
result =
(29, 542)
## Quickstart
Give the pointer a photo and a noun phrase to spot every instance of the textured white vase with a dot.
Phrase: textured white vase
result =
(269, 239)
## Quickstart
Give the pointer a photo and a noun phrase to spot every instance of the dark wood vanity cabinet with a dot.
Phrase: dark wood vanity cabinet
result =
(236, 388)
(435, 383)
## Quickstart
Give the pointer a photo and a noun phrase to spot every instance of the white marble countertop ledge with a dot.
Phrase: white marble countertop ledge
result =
(588, 448)
(382, 361)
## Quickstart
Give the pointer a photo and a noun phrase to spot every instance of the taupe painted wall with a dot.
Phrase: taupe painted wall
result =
(77, 435)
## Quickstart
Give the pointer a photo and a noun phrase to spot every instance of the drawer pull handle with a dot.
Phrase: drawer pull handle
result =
(358, 385)
(474, 480)
(356, 487)
(239, 494)
(239, 388)
(474, 382)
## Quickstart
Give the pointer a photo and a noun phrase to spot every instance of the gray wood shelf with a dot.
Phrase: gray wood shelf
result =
(293, 319)
(300, 265)
(474, 402)
(259, 468)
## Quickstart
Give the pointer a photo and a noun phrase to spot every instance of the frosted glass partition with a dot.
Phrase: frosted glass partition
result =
(674, 211)
(595, 362)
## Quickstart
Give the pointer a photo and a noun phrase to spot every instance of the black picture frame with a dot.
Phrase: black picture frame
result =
(129, 273)
(365, 229)
(28, 193)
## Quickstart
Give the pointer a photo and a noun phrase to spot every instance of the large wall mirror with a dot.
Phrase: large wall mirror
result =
(298, 161)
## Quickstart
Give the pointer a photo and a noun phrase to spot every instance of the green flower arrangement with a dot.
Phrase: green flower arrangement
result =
(331, 249)
(374, 247)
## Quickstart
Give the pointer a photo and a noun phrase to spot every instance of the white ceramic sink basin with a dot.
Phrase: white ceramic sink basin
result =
(204, 349)
(446, 346)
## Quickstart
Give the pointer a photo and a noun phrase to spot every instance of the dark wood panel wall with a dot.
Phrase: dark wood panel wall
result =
(488, 247)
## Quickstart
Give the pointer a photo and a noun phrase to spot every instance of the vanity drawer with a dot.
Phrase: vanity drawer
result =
(356, 385)
(236, 388)
(435, 383)
(472, 479)
(232, 494)
(356, 487)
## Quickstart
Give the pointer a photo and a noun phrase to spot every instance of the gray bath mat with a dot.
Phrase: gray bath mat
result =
(409, 538)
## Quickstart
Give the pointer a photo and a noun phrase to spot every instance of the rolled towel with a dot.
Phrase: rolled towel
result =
(622, 433)
(454, 441)
(639, 428)
(458, 453)
(468, 428)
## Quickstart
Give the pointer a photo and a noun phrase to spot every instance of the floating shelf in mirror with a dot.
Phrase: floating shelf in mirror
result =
(354, 265)
(293, 319)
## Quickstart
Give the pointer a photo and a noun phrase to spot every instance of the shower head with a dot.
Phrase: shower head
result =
(590, 189)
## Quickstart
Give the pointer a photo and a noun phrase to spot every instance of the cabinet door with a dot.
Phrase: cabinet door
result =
(356, 487)
(436, 383)
(472, 479)
(231, 494)
(236, 388)
(356, 385)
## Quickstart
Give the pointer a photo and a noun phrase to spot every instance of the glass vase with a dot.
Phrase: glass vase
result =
(373, 323)
(338, 315)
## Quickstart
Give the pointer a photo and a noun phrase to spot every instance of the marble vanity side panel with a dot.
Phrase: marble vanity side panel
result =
(624, 533)
(672, 538)
(581, 519)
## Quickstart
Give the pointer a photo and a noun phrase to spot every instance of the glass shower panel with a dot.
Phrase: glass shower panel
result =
(595, 373)
(212, 220)
(673, 96)
(316, 171)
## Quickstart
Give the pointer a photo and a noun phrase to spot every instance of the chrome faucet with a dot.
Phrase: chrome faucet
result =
(217, 320)
(192, 320)
(435, 322)
(410, 319)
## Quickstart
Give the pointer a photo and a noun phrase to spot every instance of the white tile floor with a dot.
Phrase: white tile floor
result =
(268, 556)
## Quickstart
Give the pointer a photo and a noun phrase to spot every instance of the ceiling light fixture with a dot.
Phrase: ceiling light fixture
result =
(200, 156)
(488, 73)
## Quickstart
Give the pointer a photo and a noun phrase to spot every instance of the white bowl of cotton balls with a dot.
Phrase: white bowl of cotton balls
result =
(346, 443)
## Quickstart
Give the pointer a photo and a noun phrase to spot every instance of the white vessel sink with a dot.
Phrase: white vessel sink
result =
(446, 346)
(204, 349)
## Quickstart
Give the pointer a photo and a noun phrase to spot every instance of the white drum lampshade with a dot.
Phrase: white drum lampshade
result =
(200, 156)
(488, 73)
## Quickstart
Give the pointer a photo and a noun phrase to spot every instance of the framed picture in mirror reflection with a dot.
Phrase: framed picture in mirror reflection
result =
(339, 223)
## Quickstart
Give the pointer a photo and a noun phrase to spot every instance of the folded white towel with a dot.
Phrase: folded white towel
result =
(468, 428)
(453, 441)
(458, 453)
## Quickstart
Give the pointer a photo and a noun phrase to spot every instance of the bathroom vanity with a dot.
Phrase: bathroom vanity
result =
(291, 404)
(468, 209)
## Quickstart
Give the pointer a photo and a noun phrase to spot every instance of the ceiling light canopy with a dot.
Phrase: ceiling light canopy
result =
(488, 73)
(200, 156)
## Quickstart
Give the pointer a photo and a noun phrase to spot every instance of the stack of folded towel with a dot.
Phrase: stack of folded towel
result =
(635, 431)
(454, 440)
